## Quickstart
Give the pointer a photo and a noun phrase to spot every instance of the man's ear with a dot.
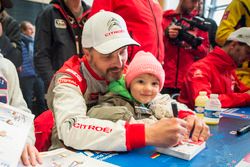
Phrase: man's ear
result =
(233, 44)
(86, 53)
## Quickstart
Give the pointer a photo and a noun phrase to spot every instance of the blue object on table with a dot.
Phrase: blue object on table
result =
(241, 113)
(223, 149)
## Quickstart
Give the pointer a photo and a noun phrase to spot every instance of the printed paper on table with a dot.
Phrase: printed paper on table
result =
(15, 125)
(186, 150)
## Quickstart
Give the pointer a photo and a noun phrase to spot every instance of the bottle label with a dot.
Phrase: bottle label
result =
(211, 113)
(199, 110)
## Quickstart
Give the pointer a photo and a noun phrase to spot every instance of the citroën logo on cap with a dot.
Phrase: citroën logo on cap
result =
(114, 27)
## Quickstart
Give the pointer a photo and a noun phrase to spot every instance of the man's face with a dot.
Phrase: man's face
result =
(108, 66)
(144, 88)
(29, 30)
(188, 5)
(240, 53)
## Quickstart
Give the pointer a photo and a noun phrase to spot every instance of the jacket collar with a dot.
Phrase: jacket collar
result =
(91, 71)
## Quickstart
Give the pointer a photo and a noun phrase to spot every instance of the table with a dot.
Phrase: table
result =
(222, 149)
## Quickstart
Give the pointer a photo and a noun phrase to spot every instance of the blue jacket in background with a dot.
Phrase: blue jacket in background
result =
(27, 44)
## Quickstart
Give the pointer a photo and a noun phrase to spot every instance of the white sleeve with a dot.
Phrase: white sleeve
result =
(80, 132)
(15, 96)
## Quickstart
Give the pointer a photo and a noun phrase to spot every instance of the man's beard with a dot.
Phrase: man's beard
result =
(113, 76)
(108, 75)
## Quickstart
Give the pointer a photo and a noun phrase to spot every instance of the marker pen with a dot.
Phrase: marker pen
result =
(243, 130)
(175, 109)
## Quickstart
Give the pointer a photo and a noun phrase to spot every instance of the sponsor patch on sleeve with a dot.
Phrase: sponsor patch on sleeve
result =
(60, 23)
(226, 14)
(197, 74)
(67, 81)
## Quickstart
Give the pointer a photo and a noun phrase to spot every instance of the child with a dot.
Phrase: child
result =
(136, 97)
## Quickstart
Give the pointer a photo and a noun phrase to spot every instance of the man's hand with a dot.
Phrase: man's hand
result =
(166, 132)
(173, 31)
(198, 128)
(30, 156)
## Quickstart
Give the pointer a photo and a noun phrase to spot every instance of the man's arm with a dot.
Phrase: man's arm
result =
(43, 47)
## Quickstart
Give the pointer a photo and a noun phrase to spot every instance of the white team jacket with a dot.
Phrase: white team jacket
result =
(73, 89)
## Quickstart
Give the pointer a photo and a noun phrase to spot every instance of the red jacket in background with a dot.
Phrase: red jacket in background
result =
(144, 23)
(214, 74)
(178, 59)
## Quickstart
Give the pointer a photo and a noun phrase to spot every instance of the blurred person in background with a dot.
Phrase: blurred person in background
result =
(58, 35)
(216, 73)
(236, 15)
(10, 45)
(179, 53)
(31, 84)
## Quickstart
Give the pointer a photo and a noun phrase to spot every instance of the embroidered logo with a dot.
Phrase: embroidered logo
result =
(67, 81)
(75, 74)
(92, 127)
(114, 27)
(197, 73)
(226, 14)
(3, 90)
(59, 23)
(3, 83)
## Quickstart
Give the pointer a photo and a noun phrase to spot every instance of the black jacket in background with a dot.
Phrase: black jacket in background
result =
(55, 39)
(10, 45)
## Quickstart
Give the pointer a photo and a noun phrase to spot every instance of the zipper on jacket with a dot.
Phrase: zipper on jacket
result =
(158, 54)
(177, 66)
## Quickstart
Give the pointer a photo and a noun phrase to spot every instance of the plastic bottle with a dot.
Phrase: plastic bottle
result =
(212, 110)
(200, 103)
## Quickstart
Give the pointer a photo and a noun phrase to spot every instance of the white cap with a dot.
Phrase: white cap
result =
(241, 35)
(106, 32)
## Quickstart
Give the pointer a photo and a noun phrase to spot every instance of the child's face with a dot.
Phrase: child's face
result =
(144, 88)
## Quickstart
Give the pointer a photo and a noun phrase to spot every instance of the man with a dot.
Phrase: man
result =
(179, 55)
(144, 22)
(31, 84)
(216, 73)
(10, 93)
(58, 35)
(236, 15)
(76, 86)
(10, 45)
